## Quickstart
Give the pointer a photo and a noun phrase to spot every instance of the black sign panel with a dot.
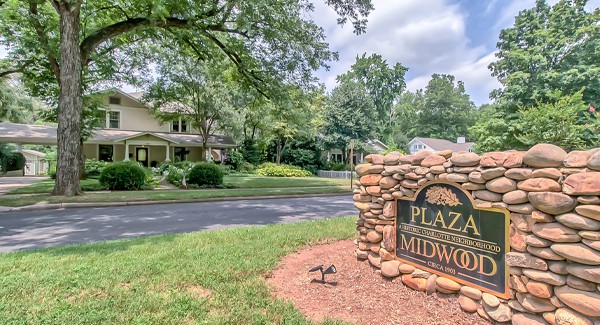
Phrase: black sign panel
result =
(441, 231)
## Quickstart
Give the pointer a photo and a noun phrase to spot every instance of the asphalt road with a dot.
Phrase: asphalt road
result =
(37, 229)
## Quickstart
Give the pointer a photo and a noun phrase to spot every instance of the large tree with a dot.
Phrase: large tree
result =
(15, 105)
(74, 43)
(384, 85)
(549, 49)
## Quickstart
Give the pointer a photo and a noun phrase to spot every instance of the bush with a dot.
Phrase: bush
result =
(235, 159)
(205, 174)
(93, 167)
(126, 175)
(16, 161)
(338, 167)
(275, 170)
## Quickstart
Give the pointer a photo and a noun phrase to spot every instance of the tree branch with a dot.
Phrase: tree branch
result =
(39, 29)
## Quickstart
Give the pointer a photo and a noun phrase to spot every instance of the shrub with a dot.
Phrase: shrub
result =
(275, 170)
(339, 167)
(126, 175)
(205, 174)
(93, 167)
(235, 159)
(16, 161)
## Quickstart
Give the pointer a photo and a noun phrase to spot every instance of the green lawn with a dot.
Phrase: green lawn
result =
(48, 185)
(212, 277)
(271, 182)
(18, 200)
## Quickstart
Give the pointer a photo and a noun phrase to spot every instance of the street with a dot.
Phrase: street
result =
(37, 229)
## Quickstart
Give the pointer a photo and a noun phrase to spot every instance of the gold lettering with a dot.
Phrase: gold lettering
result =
(425, 242)
(439, 218)
(482, 266)
(409, 246)
(415, 211)
(423, 213)
(443, 253)
(456, 217)
(471, 224)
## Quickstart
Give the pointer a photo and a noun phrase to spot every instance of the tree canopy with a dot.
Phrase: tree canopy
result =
(64, 48)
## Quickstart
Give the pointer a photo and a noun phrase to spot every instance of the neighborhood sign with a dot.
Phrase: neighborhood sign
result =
(441, 231)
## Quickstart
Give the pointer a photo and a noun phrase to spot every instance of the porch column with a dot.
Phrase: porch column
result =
(20, 147)
(209, 154)
(362, 157)
(167, 153)
(126, 151)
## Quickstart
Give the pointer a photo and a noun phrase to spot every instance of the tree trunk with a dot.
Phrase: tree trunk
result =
(278, 155)
(70, 102)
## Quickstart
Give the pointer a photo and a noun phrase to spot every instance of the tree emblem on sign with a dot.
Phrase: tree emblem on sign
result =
(441, 196)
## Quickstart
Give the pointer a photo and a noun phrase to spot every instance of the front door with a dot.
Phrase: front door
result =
(141, 155)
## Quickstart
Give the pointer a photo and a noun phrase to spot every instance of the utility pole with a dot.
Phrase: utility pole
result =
(351, 163)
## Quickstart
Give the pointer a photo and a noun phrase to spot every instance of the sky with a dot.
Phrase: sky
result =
(456, 37)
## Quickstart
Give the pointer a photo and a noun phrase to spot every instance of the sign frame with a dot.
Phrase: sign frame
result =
(503, 295)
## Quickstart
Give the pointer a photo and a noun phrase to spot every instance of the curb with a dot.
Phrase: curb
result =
(70, 205)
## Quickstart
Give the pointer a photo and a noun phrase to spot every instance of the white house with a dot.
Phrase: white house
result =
(130, 133)
(418, 144)
(335, 155)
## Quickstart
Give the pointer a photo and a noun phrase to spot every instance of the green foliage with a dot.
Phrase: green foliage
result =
(338, 167)
(348, 116)
(234, 159)
(496, 130)
(15, 105)
(205, 174)
(281, 170)
(383, 83)
(93, 167)
(566, 123)
(247, 168)
(5, 151)
(549, 49)
(249, 151)
(16, 161)
(125, 175)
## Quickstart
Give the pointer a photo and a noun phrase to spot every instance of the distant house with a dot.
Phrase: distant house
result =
(130, 132)
(418, 144)
(374, 145)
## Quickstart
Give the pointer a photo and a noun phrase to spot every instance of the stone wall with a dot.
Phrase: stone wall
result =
(554, 204)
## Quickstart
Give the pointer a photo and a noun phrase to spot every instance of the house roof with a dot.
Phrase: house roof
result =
(33, 152)
(442, 144)
(43, 134)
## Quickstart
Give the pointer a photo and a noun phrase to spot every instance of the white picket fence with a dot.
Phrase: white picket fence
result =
(334, 174)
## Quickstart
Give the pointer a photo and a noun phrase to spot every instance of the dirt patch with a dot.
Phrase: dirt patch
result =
(358, 293)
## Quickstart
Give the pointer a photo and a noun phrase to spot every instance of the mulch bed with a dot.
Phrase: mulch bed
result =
(358, 293)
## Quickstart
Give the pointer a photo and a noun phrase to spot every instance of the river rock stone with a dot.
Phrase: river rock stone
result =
(546, 277)
(587, 303)
(516, 283)
(514, 160)
(476, 177)
(523, 208)
(594, 161)
(545, 155)
(406, 269)
(374, 236)
(578, 253)
(362, 169)
(376, 159)
(539, 185)
(374, 259)
(457, 178)
(501, 185)
(522, 222)
(517, 239)
(370, 180)
(433, 160)
(492, 173)
(580, 284)
(577, 158)
(586, 272)
(487, 195)
(595, 244)
(518, 174)
(391, 159)
(558, 267)
(535, 304)
(418, 158)
(374, 190)
(471, 292)
(527, 319)
(389, 269)
(582, 184)
(552, 202)
(539, 289)
(473, 186)
(588, 199)
(542, 217)
(430, 284)
(467, 304)
(490, 300)
(361, 255)
(362, 206)
(465, 159)
(388, 182)
(414, 283)
(447, 284)
(515, 197)
(385, 255)
(576, 221)
(525, 260)
(501, 313)
(565, 316)
(551, 173)
(556, 232)
(545, 253)
(590, 211)
(535, 241)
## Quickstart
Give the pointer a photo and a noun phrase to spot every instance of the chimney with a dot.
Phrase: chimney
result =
(460, 140)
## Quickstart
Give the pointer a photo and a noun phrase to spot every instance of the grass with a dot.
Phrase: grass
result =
(16, 200)
(48, 185)
(209, 277)
(273, 182)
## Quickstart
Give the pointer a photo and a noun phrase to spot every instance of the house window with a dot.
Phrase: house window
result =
(179, 125)
(179, 154)
(105, 152)
(114, 100)
(114, 120)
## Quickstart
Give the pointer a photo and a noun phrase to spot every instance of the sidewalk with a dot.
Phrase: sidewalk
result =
(53, 206)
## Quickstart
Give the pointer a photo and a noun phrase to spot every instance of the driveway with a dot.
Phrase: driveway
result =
(10, 183)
